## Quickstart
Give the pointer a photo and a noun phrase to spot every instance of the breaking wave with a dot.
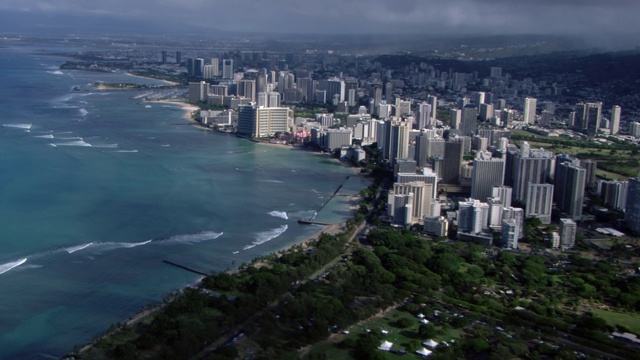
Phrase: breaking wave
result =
(56, 72)
(10, 265)
(74, 143)
(18, 126)
(192, 238)
(280, 214)
(264, 236)
(48, 136)
(73, 249)
(273, 181)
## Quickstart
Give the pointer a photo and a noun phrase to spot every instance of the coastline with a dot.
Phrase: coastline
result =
(146, 77)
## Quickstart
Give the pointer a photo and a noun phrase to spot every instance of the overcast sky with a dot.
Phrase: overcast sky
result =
(332, 16)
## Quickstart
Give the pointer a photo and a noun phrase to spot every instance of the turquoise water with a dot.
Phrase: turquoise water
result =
(97, 188)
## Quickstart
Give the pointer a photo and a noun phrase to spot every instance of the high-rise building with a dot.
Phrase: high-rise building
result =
(615, 119)
(215, 67)
(427, 177)
(530, 166)
(614, 194)
(433, 101)
(473, 216)
(590, 166)
(589, 116)
(510, 234)
(455, 118)
(495, 72)
(198, 91)
(478, 98)
(227, 69)
(247, 89)
(569, 189)
(486, 112)
(469, 120)
(178, 57)
(427, 148)
(539, 202)
(258, 122)
(399, 141)
(517, 214)
(632, 209)
(568, 229)
(424, 116)
(488, 172)
(504, 194)
(164, 56)
(529, 110)
(634, 129)
(422, 198)
(452, 162)
(332, 87)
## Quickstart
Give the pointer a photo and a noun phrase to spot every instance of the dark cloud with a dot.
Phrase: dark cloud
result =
(353, 16)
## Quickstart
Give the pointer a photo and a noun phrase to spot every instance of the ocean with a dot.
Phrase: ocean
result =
(97, 188)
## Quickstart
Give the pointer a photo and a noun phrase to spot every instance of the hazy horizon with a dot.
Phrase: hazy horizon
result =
(612, 23)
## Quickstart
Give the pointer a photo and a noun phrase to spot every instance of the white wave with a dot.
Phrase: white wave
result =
(53, 145)
(280, 214)
(71, 138)
(165, 145)
(119, 245)
(56, 72)
(83, 112)
(235, 252)
(10, 265)
(304, 215)
(48, 136)
(147, 106)
(73, 249)
(126, 151)
(264, 236)
(192, 238)
(273, 181)
(18, 126)
(74, 143)
(107, 146)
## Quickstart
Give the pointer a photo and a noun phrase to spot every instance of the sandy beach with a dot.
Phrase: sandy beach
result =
(188, 108)
(145, 77)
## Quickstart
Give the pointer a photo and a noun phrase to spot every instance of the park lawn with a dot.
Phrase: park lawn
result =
(630, 321)
(610, 175)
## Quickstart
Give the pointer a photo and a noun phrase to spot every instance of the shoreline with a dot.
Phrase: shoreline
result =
(150, 78)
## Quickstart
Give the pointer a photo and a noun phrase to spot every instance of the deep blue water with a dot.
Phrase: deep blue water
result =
(97, 188)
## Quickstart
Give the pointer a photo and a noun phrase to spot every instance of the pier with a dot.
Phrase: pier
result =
(184, 267)
(300, 221)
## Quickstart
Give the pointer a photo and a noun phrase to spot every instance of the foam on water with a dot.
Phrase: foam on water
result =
(107, 146)
(191, 238)
(48, 136)
(126, 151)
(56, 72)
(119, 245)
(83, 112)
(75, 143)
(10, 265)
(280, 214)
(264, 236)
(273, 181)
(18, 126)
(73, 249)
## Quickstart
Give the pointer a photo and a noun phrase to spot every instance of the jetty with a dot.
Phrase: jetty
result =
(184, 267)
(312, 222)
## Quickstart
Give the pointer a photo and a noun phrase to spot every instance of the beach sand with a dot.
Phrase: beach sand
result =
(146, 77)
(188, 108)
